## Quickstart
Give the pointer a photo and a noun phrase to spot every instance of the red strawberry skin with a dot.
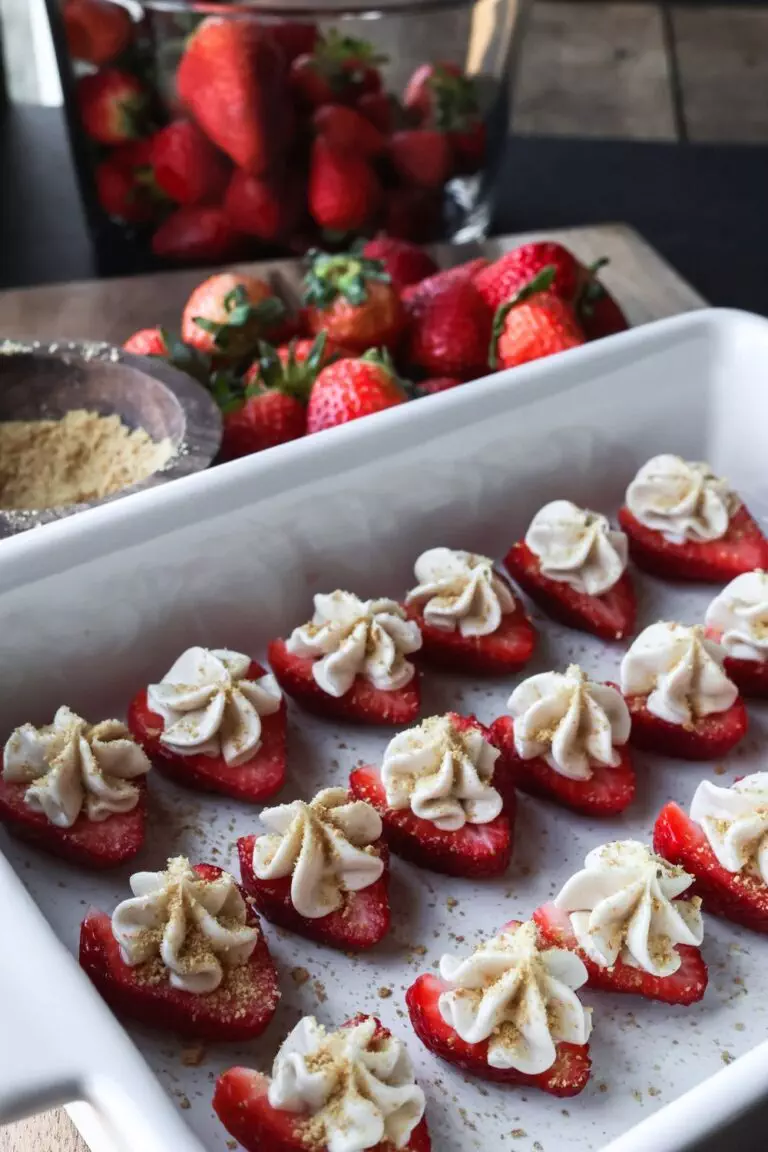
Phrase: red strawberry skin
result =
(360, 924)
(567, 1077)
(413, 214)
(709, 738)
(92, 844)
(196, 235)
(608, 792)
(610, 616)
(602, 316)
(147, 342)
(421, 156)
(362, 704)
(437, 384)
(124, 184)
(475, 851)
(232, 79)
(344, 191)
(375, 322)
(405, 263)
(255, 781)
(349, 389)
(419, 95)
(737, 896)
(347, 130)
(219, 1015)
(378, 107)
(186, 165)
(417, 295)
(265, 420)
(294, 38)
(502, 652)
(686, 986)
(503, 279)
(96, 30)
(450, 332)
(536, 327)
(749, 676)
(209, 302)
(112, 104)
(258, 206)
(742, 549)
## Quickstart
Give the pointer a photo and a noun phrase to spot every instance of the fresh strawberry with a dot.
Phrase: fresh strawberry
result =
(449, 332)
(229, 313)
(380, 109)
(415, 296)
(741, 549)
(352, 299)
(441, 96)
(437, 384)
(186, 165)
(293, 367)
(266, 418)
(346, 130)
(125, 184)
(738, 896)
(567, 1076)
(90, 843)
(96, 30)
(148, 342)
(708, 738)
(499, 282)
(254, 781)
(261, 207)
(501, 652)
(414, 214)
(241, 1103)
(161, 343)
(469, 147)
(607, 792)
(749, 676)
(351, 388)
(344, 191)
(232, 79)
(610, 616)
(339, 70)
(113, 106)
(475, 851)
(420, 96)
(240, 1008)
(363, 704)
(195, 235)
(598, 312)
(421, 156)
(686, 986)
(404, 263)
(533, 324)
(301, 349)
(295, 38)
(361, 922)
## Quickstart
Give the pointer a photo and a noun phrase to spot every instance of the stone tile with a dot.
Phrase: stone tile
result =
(723, 61)
(593, 69)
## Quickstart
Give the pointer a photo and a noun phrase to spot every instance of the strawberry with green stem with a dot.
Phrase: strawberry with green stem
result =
(596, 309)
(165, 345)
(228, 314)
(113, 106)
(444, 98)
(352, 298)
(344, 192)
(534, 323)
(351, 388)
(340, 69)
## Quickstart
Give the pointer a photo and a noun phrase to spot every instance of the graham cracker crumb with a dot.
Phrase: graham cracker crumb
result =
(184, 1103)
(319, 990)
(299, 976)
(385, 992)
(192, 1055)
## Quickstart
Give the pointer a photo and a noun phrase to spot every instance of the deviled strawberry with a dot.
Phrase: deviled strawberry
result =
(349, 661)
(216, 721)
(624, 917)
(185, 953)
(75, 789)
(738, 619)
(468, 616)
(566, 740)
(322, 870)
(441, 799)
(724, 846)
(508, 1012)
(350, 1090)
(574, 566)
(686, 523)
(679, 696)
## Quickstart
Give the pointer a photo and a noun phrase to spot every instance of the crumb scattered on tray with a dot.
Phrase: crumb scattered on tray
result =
(299, 976)
(385, 992)
(192, 1055)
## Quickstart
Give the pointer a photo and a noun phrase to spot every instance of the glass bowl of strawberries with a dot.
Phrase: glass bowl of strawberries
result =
(209, 131)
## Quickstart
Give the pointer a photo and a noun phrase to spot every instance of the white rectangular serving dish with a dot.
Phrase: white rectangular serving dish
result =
(94, 607)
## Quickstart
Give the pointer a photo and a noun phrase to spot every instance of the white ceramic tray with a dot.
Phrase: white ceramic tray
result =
(94, 607)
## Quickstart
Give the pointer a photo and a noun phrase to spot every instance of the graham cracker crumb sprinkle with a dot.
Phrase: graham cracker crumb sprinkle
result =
(192, 1055)
(299, 976)
(385, 992)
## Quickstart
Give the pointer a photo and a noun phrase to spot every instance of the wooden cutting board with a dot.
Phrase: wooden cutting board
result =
(645, 285)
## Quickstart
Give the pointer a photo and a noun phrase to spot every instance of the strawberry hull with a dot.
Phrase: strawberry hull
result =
(94, 844)
(240, 1009)
(737, 897)
(361, 922)
(363, 703)
(709, 738)
(504, 651)
(686, 986)
(607, 792)
(742, 549)
(610, 616)
(567, 1077)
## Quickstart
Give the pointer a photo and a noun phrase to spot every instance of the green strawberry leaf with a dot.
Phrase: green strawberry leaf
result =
(344, 274)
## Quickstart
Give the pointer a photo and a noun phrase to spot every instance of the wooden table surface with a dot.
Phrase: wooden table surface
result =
(110, 310)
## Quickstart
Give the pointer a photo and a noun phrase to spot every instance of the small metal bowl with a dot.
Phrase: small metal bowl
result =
(45, 381)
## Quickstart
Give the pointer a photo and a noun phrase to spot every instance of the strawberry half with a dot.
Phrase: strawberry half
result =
(741, 549)
(256, 780)
(359, 924)
(738, 896)
(607, 792)
(503, 651)
(567, 1076)
(239, 1009)
(610, 616)
(749, 676)
(708, 738)
(363, 704)
(686, 986)
(94, 844)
